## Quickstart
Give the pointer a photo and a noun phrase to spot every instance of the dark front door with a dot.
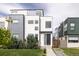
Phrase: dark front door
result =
(48, 39)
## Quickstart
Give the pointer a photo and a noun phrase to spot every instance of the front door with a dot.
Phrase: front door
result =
(48, 39)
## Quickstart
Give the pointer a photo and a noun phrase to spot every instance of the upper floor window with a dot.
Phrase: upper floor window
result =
(15, 21)
(36, 27)
(65, 27)
(72, 26)
(30, 21)
(36, 21)
(48, 24)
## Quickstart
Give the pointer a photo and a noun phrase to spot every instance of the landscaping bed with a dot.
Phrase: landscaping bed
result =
(71, 51)
(21, 52)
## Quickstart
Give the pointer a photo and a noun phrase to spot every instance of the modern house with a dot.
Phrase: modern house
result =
(22, 22)
(69, 33)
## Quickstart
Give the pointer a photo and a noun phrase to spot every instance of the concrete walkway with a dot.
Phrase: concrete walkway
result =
(59, 52)
(49, 51)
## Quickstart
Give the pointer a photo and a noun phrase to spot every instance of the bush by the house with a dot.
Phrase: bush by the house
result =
(32, 42)
(16, 44)
(5, 38)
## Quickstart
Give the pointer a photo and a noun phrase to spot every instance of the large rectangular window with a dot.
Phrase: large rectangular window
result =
(72, 26)
(73, 39)
(30, 21)
(48, 24)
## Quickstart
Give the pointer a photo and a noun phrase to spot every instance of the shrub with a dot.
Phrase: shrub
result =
(5, 37)
(14, 43)
(32, 42)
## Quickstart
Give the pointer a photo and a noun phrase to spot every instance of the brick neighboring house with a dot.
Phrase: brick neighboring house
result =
(69, 32)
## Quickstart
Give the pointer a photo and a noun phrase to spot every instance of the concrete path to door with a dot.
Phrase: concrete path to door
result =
(49, 51)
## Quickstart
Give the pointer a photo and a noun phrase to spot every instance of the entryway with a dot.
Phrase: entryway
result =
(47, 39)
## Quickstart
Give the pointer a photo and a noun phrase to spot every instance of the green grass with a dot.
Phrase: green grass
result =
(71, 51)
(21, 52)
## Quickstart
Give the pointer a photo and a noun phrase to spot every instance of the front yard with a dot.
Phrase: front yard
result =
(71, 51)
(21, 52)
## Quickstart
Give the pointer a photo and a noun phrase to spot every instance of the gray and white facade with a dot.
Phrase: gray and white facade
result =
(28, 21)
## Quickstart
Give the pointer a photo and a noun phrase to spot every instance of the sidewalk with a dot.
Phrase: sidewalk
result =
(59, 52)
(49, 51)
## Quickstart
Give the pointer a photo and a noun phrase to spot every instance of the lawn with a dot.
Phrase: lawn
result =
(21, 52)
(71, 51)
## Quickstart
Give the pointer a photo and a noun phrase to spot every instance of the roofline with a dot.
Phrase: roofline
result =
(24, 9)
(72, 17)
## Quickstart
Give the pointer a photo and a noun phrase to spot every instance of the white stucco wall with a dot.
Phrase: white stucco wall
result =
(72, 45)
(30, 28)
(43, 20)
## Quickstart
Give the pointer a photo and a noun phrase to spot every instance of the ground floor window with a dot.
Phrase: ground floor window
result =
(15, 35)
(73, 39)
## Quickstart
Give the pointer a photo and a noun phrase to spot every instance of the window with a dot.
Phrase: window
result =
(48, 24)
(36, 28)
(15, 35)
(36, 36)
(15, 21)
(73, 39)
(30, 21)
(72, 26)
(36, 21)
(65, 27)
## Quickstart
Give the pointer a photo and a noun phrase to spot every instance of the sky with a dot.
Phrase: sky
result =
(59, 11)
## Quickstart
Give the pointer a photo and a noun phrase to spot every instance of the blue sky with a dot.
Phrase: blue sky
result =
(59, 11)
(6, 7)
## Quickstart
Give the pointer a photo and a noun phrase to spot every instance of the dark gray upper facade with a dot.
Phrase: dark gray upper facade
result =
(69, 27)
(17, 26)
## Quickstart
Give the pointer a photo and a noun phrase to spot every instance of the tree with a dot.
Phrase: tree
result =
(5, 37)
(32, 42)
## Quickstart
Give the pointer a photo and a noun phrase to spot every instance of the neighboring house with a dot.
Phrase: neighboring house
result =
(55, 34)
(31, 21)
(69, 33)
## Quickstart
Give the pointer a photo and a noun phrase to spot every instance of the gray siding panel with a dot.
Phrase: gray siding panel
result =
(17, 28)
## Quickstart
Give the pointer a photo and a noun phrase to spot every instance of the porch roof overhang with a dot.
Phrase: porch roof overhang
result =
(45, 31)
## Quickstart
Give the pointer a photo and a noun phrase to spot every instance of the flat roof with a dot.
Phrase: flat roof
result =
(24, 9)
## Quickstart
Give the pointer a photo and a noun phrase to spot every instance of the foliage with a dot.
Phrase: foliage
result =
(32, 42)
(5, 39)
(71, 51)
(17, 44)
(21, 52)
(14, 43)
